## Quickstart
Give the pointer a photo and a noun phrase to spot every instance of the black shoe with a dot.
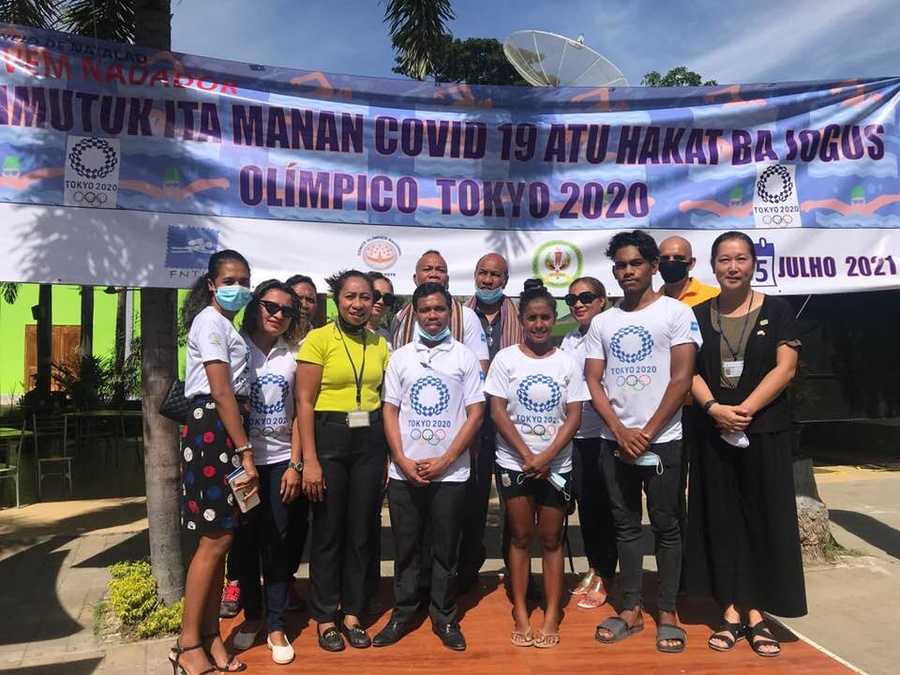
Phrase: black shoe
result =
(331, 640)
(450, 635)
(389, 635)
(357, 636)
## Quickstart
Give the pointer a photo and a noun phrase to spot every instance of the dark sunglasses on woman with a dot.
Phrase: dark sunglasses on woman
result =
(586, 298)
(387, 298)
(287, 311)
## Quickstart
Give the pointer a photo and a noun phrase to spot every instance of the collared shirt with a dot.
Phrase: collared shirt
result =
(432, 387)
(492, 330)
(695, 293)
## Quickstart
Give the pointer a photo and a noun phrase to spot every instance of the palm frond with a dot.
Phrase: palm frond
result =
(101, 19)
(417, 29)
(34, 13)
(9, 291)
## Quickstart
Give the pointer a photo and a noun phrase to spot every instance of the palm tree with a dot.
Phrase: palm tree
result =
(417, 29)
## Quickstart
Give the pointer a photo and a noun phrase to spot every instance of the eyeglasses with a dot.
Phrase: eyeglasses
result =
(585, 298)
(273, 308)
(387, 298)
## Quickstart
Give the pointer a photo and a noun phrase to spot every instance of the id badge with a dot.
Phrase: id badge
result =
(733, 369)
(357, 419)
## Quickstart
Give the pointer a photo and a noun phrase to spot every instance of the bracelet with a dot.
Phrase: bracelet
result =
(244, 448)
(709, 404)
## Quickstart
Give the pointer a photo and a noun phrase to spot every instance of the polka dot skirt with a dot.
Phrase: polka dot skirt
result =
(207, 457)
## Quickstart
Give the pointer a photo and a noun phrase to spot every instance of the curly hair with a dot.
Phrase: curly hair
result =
(642, 241)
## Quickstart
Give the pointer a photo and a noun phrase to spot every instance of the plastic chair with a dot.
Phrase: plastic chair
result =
(9, 469)
(51, 447)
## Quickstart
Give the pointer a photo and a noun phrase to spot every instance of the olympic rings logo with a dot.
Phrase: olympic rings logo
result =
(280, 431)
(430, 436)
(90, 198)
(545, 433)
(636, 382)
(778, 219)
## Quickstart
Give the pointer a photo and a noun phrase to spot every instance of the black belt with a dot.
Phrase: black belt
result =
(340, 417)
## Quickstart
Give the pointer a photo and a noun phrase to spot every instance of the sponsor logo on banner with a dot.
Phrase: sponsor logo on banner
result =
(775, 202)
(557, 263)
(92, 172)
(379, 253)
(189, 246)
(765, 264)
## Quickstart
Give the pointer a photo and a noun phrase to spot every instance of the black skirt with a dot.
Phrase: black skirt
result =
(743, 543)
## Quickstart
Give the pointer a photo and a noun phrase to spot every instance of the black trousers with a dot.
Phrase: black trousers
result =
(439, 507)
(342, 543)
(624, 482)
(269, 533)
(598, 531)
(472, 550)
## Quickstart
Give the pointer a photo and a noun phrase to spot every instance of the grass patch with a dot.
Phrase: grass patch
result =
(132, 608)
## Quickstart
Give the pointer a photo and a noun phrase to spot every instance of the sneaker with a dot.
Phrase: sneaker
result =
(230, 605)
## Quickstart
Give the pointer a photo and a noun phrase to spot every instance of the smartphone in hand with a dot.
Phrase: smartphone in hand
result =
(239, 492)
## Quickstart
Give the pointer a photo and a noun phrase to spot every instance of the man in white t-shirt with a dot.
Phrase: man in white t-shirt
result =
(433, 407)
(639, 365)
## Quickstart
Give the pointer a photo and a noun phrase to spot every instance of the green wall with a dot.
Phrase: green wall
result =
(66, 311)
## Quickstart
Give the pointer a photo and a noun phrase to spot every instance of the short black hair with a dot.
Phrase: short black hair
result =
(431, 288)
(729, 236)
(639, 239)
(533, 294)
(336, 281)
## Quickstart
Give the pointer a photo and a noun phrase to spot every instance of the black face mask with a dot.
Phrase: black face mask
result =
(673, 270)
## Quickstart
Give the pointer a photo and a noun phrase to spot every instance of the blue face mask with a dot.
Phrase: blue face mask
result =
(440, 337)
(489, 297)
(233, 298)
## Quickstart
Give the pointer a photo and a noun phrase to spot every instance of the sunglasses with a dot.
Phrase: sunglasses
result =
(585, 298)
(387, 298)
(287, 311)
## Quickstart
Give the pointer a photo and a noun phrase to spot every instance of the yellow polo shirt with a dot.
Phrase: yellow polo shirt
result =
(696, 293)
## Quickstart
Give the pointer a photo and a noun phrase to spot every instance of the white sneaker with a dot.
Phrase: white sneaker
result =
(245, 637)
(281, 654)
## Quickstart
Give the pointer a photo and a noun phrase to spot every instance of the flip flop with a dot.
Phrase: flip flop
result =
(761, 630)
(729, 633)
(595, 597)
(522, 639)
(619, 629)
(544, 640)
(667, 631)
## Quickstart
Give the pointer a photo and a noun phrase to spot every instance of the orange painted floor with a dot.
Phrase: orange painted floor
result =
(485, 621)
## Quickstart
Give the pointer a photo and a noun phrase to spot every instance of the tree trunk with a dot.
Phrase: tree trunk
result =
(153, 28)
(44, 318)
(86, 350)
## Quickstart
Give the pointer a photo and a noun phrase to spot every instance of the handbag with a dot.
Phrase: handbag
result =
(175, 406)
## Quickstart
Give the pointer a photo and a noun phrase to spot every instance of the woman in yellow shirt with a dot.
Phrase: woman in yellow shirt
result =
(339, 374)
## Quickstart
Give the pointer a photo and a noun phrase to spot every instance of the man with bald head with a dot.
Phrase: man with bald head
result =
(500, 320)
(676, 260)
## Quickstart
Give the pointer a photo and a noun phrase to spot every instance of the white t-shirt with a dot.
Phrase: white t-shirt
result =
(636, 347)
(271, 401)
(536, 393)
(214, 338)
(473, 333)
(432, 387)
(575, 345)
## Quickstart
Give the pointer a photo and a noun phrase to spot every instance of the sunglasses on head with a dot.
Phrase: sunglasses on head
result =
(287, 311)
(387, 298)
(586, 298)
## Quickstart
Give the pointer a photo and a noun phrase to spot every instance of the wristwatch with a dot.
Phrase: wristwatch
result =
(296, 466)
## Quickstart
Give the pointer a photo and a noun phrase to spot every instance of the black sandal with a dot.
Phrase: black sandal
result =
(177, 668)
(735, 631)
(766, 639)
(226, 668)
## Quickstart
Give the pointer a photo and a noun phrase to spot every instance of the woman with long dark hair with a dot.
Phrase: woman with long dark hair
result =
(339, 374)
(269, 532)
(536, 396)
(214, 443)
(743, 544)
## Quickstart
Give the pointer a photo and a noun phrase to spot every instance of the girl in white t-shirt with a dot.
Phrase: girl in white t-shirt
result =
(214, 442)
(536, 396)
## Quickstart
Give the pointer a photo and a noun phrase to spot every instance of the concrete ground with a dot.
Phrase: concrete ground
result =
(54, 559)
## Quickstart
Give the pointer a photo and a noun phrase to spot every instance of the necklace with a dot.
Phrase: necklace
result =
(734, 352)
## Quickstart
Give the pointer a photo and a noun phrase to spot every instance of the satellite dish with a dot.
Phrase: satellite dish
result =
(551, 60)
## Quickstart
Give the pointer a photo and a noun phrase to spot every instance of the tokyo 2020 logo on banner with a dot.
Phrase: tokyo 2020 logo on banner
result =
(92, 172)
(775, 202)
(429, 396)
(557, 263)
(539, 393)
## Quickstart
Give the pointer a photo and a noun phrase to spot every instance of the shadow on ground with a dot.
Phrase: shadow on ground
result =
(868, 529)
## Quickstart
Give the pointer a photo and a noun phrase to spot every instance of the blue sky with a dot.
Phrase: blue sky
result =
(750, 41)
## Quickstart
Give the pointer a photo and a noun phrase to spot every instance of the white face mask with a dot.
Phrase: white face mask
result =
(440, 337)
(650, 459)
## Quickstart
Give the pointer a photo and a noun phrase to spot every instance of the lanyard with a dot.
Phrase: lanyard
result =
(357, 377)
(734, 352)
